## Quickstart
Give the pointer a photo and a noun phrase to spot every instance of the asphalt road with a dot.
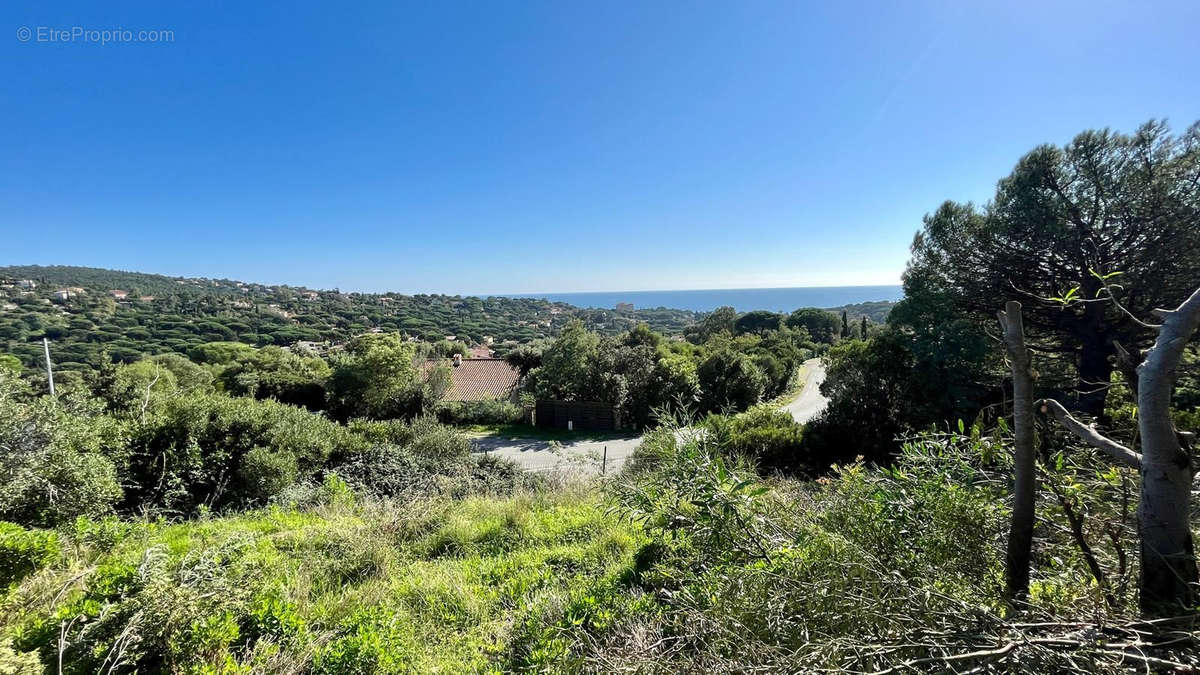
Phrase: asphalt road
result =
(585, 456)
(810, 402)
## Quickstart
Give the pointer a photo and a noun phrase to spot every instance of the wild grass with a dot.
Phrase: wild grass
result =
(689, 562)
(437, 586)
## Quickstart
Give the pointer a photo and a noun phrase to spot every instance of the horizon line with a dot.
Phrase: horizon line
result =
(688, 290)
(339, 288)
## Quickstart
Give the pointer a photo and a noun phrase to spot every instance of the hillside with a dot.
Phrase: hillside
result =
(86, 310)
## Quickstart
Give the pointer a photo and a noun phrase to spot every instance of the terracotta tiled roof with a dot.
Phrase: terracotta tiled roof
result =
(478, 379)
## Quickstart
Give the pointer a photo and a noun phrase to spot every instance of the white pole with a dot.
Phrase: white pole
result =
(49, 370)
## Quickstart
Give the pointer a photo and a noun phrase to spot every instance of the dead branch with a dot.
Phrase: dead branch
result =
(1088, 434)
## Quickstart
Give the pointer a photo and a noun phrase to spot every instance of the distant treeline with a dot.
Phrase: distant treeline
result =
(131, 315)
(90, 312)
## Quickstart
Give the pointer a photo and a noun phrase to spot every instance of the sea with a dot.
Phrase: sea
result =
(741, 299)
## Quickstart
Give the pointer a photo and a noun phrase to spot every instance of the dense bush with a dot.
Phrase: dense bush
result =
(764, 434)
(23, 552)
(866, 570)
(60, 457)
(396, 472)
(193, 450)
(730, 381)
(487, 411)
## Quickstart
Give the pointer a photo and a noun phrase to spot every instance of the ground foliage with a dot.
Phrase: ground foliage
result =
(689, 561)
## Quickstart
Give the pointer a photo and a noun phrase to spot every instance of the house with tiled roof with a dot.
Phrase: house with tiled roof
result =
(478, 379)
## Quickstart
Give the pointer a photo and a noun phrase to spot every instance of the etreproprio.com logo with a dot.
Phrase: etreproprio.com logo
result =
(100, 36)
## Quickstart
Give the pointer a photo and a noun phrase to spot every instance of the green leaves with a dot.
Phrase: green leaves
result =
(1067, 298)
(697, 496)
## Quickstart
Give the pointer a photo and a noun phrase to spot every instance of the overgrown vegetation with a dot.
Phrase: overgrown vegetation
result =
(343, 585)
(254, 509)
(687, 562)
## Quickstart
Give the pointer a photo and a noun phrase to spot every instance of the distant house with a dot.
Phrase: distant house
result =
(310, 295)
(624, 306)
(27, 284)
(312, 347)
(64, 294)
(480, 352)
(478, 379)
(119, 295)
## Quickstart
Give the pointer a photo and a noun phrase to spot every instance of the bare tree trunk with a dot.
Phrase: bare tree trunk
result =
(1168, 574)
(1020, 534)
(1095, 369)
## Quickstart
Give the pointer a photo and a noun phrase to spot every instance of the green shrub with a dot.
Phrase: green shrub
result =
(1188, 419)
(655, 450)
(102, 534)
(64, 485)
(764, 434)
(697, 495)
(437, 442)
(58, 457)
(730, 380)
(487, 411)
(267, 472)
(212, 449)
(806, 573)
(13, 662)
(401, 472)
(384, 470)
(23, 552)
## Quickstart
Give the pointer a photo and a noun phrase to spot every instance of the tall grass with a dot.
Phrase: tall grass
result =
(435, 586)
(689, 562)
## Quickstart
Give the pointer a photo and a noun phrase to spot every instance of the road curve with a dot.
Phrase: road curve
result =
(810, 402)
(586, 456)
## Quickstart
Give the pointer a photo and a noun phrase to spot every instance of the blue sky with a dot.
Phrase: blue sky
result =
(560, 146)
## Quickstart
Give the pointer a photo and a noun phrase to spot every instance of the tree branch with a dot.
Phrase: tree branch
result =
(1088, 434)
(1128, 367)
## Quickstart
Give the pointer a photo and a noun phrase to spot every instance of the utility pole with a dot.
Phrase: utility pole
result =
(49, 370)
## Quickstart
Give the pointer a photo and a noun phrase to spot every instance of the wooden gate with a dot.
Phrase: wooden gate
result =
(585, 415)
